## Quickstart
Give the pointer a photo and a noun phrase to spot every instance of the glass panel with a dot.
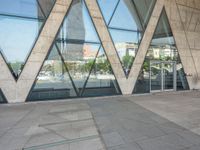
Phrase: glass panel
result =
(20, 23)
(144, 9)
(126, 44)
(125, 17)
(46, 6)
(2, 97)
(126, 20)
(156, 76)
(181, 83)
(79, 59)
(53, 81)
(163, 48)
(168, 75)
(143, 81)
(107, 8)
(67, 69)
(20, 41)
(24, 8)
(78, 43)
(101, 81)
(78, 25)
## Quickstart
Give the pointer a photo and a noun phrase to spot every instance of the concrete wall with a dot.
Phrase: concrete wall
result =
(184, 18)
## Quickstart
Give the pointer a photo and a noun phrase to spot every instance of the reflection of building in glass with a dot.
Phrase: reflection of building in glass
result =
(165, 53)
(22, 21)
(162, 69)
(76, 63)
(126, 33)
(126, 49)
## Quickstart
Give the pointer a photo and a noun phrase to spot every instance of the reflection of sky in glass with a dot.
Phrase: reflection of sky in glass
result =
(124, 40)
(101, 51)
(123, 18)
(124, 36)
(17, 37)
(107, 8)
(90, 32)
(78, 24)
(25, 8)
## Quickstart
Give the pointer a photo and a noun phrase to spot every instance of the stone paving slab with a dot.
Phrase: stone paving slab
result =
(182, 108)
(153, 122)
(125, 125)
(56, 126)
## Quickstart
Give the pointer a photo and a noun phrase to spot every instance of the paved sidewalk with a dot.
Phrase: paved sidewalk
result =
(182, 108)
(125, 125)
(49, 126)
(153, 122)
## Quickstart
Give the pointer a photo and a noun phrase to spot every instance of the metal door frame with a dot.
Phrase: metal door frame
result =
(162, 88)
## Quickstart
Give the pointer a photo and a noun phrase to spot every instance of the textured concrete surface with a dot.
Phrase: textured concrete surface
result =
(182, 108)
(167, 121)
(49, 126)
(125, 125)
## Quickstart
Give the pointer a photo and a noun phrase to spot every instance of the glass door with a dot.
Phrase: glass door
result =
(169, 76)
(155, 76)
(162, 76)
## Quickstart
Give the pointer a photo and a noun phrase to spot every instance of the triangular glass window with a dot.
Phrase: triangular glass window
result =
(2, 97)
(21, 23)
(78, 46)
(162, 69)
(79, 59)
(78, 25)
(46, 6)
(53, 81)
(101, 80)
(78, 43)
(126, 21)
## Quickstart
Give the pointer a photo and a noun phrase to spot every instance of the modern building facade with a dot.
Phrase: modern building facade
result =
(59, 49)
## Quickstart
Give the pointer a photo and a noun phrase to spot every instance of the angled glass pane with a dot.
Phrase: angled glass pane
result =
(127, 21)
(107, 8)
(78, 25)
(23, 8)
(2, 97)
(144, 9)
(20, 37)
(79, 59)
(164, 53)
(127, 46)
(20, 22)
(68, 67)
(125, 17)
(46, 6)
(53, 80)
(78, 43)
(101, 81)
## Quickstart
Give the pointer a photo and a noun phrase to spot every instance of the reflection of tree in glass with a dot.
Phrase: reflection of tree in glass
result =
(103, 66)
(127, 61)
(16, 67)
(146, 65)
(87, 67)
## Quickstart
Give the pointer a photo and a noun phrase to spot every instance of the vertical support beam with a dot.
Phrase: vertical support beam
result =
(180, 36)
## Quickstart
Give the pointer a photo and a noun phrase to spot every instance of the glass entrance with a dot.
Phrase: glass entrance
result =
(162, 76)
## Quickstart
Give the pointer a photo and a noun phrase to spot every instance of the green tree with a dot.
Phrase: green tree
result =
(87, 67)
(127, 61)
